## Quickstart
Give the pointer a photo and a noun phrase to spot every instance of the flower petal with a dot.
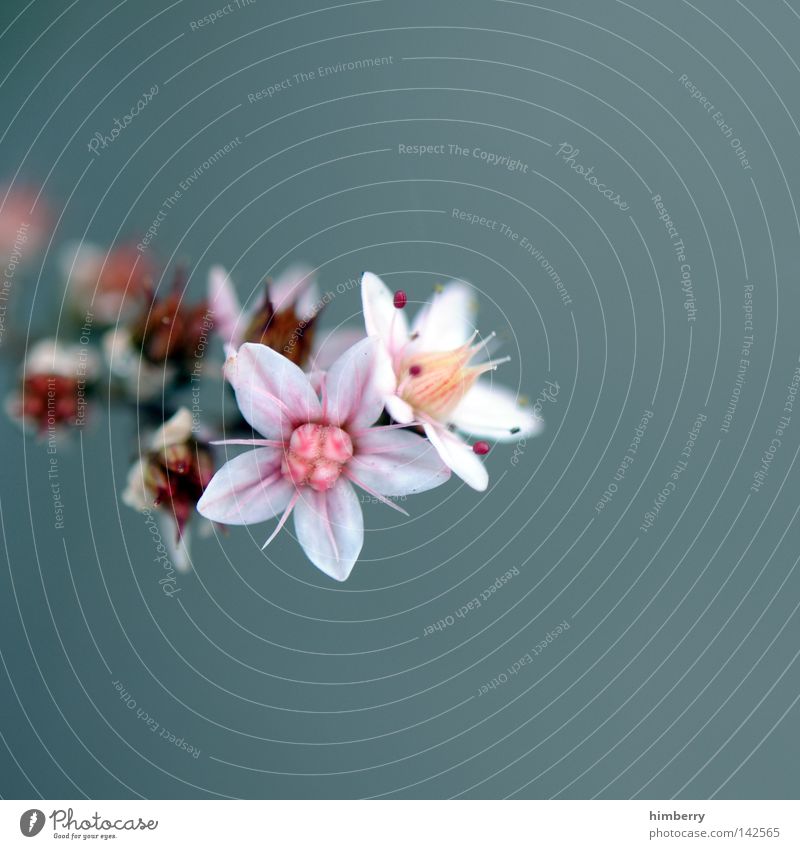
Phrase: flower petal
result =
(273, 394)
(225, 306)
(447, 320)
(135, 493)
(295, 288)
(381, 317)
(177, 544)
(247, 489)
(330, 527)
(353, 397)
(174, 431)
(397, 462)
(332, 345)
(458, 456)
(494, 412)
(400, 410)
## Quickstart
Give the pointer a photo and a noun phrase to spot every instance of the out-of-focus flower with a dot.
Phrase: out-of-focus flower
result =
(314, 448)
(171, 475)
(25, 223)
(165, 343)
(428, 374)
(284, 318)
(112, 285)
(55, 387)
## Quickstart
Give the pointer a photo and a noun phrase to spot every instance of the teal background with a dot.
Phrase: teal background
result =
(678, 675)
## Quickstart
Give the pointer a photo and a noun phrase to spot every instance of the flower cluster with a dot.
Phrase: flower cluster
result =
(392, 408)
(317, 436)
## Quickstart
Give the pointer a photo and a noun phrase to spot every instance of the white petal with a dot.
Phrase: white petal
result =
(225, 306)
(397, 462)
(381, 317)
(494, 412)
(353, 398)
(399, 410)
(247, 489)
(329, 347)
(135, 493)
(459, 457)
(175, 431)
(273, 394)
(295, 288)
(330, 527)
(447, 320)
(177, 544)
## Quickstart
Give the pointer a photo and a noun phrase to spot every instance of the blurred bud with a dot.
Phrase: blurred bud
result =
(113, 286)
(284, 330)
(171, 332)
(172, 472)
(56, 384)
(25, 224)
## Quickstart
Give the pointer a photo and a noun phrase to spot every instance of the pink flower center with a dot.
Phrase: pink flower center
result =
(434, 382)
(316, 455)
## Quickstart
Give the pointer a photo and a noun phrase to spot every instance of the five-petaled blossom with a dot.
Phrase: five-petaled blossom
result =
(427, 373)
(314, 448)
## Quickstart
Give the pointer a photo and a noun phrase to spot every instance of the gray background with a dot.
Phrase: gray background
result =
(678, 674)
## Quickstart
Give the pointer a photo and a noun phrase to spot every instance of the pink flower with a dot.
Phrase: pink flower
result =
(427, 374)
(314, 449)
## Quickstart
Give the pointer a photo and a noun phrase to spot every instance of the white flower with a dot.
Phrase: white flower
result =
(315, 447)
(427, 374)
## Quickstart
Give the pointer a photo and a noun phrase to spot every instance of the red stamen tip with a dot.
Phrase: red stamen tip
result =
(481, 448)
(415, 371)
(400, 299)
